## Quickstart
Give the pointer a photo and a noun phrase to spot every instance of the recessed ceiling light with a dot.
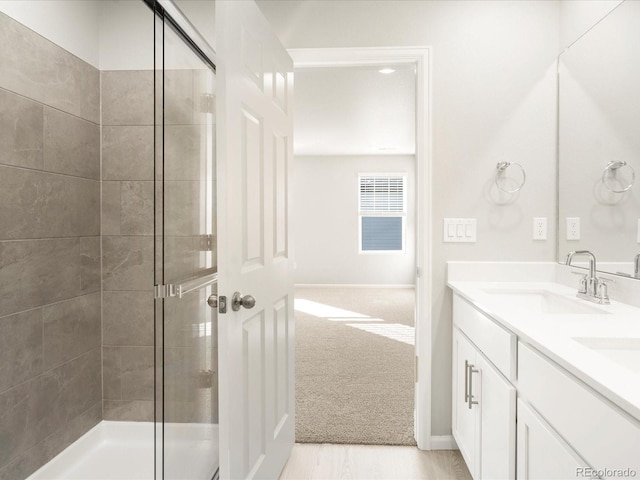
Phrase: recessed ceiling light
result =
(386, 71)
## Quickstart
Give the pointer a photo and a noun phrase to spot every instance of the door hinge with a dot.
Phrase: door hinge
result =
(207, 103)
(165, 291)
(222, 304)
(207, 243)
(417, 272)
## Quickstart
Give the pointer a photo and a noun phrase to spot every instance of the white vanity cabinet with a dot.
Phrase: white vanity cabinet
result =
(542, 454)
(565, 427)
(594, 431)
(484, 401)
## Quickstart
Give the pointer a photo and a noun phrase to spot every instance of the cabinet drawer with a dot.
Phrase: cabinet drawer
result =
(601, 433)
(495, 342)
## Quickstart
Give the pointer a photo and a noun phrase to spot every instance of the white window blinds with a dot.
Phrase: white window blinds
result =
(382, 194)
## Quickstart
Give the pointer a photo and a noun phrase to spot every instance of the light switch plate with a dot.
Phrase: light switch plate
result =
(459, 230)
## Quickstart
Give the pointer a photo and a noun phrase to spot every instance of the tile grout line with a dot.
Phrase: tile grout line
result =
(47, 172)
(57, 302)
(44, 372)
(43, 104)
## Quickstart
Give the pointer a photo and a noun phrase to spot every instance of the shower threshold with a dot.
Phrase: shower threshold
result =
(125, 451)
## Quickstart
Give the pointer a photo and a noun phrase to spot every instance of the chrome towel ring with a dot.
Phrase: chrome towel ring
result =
(501, 168)
(610, 177)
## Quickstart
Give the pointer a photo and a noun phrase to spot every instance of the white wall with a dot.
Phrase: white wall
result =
(578, 16)
(126, 35)
(325, 214)
(71, 24)
(494, 94)
(355, 111)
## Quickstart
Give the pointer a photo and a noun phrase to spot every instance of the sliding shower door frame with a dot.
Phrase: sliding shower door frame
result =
(179, 296)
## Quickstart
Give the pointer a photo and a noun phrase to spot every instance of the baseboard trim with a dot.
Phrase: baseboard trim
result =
(443, 442)
(351, 285)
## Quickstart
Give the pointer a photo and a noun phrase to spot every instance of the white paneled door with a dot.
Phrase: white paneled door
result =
(256, 344)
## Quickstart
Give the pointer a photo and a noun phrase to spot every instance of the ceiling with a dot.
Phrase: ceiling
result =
(354, 111)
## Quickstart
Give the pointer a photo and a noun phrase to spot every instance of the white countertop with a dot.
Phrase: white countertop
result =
(553, 334)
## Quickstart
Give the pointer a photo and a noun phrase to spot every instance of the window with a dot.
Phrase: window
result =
(382, 212)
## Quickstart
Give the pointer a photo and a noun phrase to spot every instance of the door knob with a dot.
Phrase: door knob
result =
(213, 300)
(239, 301)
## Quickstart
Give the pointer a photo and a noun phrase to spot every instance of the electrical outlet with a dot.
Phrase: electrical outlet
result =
(573, 228)
(540, 228)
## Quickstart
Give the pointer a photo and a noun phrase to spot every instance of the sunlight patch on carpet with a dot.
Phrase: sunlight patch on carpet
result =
(394, 331)
(351, 319)
(324, 311)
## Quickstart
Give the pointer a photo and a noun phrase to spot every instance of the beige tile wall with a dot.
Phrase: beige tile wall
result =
(50, 300)
(127, 244)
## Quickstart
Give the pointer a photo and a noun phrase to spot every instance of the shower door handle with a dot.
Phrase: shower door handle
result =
(187, 286)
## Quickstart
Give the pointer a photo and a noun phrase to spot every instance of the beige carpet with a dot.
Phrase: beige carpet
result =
(354, 365)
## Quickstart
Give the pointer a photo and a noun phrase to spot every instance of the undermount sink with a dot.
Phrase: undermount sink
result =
(623, 351)
(544, 302)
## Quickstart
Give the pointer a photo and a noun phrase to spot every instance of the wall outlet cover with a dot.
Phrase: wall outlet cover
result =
(540, 228)
(573, 228)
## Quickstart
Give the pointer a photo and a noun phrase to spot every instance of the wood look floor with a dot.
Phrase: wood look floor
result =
(372, 462)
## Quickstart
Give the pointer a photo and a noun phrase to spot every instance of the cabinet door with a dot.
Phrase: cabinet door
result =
(464, 420)
(497, 404)
(542, 454)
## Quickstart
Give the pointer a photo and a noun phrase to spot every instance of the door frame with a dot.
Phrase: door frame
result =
(421, 58)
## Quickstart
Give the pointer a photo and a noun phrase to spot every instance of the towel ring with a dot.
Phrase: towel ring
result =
(612, 169)
(501, 168)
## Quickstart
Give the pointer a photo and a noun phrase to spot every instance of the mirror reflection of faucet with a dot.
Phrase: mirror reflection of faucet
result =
(591, 287)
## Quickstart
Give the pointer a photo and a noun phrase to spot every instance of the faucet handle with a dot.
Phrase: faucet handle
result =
(603, 289)
(603, 292)
(582, 288)
(584, 284)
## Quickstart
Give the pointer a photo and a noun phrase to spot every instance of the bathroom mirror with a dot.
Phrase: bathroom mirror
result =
(599, 142)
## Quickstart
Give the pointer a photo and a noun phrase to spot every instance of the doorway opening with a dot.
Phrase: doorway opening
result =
(362, 246)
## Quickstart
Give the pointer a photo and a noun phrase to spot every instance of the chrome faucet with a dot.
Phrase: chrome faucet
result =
(636, 266)
(591, 287)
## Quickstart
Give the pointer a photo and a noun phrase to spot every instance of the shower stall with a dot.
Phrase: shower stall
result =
(108, 264)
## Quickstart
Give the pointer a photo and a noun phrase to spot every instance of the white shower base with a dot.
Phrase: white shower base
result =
(125, 451)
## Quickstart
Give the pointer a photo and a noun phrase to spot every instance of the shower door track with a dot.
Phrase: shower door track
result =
(169, 12)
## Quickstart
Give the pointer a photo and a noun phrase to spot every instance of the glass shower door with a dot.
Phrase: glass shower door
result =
(186, 264)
